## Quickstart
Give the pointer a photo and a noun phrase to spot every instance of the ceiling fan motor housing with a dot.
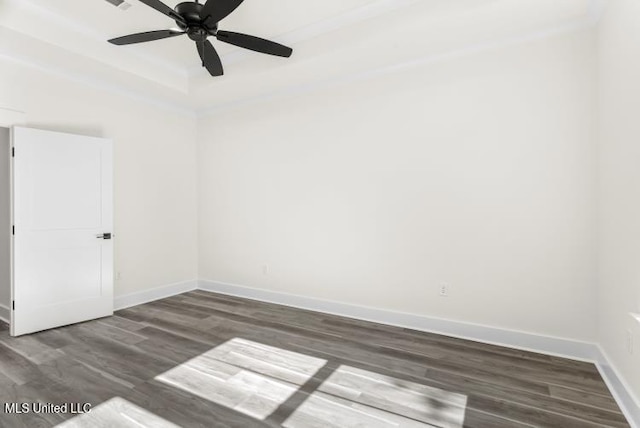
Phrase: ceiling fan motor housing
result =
(194, 27)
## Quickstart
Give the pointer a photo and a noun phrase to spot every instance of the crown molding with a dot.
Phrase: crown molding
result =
(27, 17)
(94, 82)
(11, 117)
(471, 49)
(98, 36)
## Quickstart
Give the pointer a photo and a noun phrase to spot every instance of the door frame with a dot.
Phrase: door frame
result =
(12, 236)
(10, 117)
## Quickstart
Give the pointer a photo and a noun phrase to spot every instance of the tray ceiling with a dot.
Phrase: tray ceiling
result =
(332, 39)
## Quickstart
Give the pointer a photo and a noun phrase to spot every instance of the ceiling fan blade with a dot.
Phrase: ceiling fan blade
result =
(164, 9)
(145, 37)
(210, 59)
(254, 43)
(215, 11)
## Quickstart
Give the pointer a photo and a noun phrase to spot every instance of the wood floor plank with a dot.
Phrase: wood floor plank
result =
(600, 401)
(114, 333)
(171, 346)
(16, 367)
(31, 348)
(536, 416)
(122, 323)
(56, 338)
(179, 308)
(478, 419)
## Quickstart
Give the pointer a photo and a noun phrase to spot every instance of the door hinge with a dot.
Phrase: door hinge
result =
(13, 230)
(13, 304)
(13, 152)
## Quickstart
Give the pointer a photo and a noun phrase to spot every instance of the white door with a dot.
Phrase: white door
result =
(62, 212)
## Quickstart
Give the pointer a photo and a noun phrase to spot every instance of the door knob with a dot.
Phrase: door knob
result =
(104, 236)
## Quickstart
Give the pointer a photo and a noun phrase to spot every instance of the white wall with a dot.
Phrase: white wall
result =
(479, 172)
(155, 179)
(5, 221)
(619, 172)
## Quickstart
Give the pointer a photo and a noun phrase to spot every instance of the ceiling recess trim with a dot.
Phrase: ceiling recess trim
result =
(96, 83)
(91, 33)
(344, 20)
(295, 90)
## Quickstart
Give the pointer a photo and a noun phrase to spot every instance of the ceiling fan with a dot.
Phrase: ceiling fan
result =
(199, 21)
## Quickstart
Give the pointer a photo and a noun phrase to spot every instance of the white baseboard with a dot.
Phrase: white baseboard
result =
(515, 339)
(628, 402)
(5, 314)
(146, 296)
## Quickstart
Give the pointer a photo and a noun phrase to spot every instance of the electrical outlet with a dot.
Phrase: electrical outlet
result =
(118, 276)
(630, 342)
(444, 289)
(265, 269)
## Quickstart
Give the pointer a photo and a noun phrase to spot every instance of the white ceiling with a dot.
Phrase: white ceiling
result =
(332, 40)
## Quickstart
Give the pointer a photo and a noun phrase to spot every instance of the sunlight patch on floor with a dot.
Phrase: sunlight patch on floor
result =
(117, 412)
(352, 397)
(256, 379)
(243, 375)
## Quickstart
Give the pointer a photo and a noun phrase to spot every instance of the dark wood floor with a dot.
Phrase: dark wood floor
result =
(206, 360)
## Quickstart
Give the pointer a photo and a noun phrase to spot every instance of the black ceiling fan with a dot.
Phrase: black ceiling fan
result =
(199, 21)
